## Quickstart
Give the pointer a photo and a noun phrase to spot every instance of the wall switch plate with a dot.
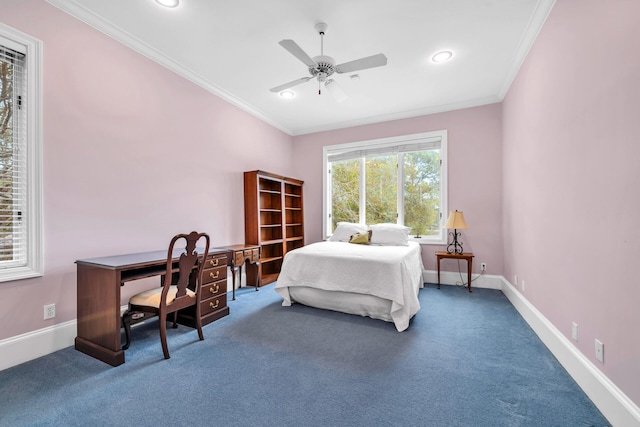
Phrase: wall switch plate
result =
(574, 331)
(49, 311)
(599, 351)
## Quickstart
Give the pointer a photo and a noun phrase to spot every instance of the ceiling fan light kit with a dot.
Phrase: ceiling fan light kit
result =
(321, 67)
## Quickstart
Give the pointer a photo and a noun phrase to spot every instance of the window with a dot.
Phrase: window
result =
(21, 251)
(398, 180)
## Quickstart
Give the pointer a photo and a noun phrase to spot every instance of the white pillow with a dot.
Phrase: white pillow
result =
(390, 234)
(345, 230)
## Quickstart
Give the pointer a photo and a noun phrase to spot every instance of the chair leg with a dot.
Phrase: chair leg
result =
(163, 336)
(199, 326)
(126, 323)
(175, 319)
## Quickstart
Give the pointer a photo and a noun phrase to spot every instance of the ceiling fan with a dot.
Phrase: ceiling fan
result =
(322, 67)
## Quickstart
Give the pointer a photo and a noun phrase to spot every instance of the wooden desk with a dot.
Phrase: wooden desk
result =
(98, 290)
(468, 256)
(238, 255)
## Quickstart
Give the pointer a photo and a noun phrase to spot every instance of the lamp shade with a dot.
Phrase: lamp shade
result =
(456, 220)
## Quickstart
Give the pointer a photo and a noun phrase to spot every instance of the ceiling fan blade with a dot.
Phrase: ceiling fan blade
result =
(335, 90)
(362, 63)
(297, 51)
(290, 84)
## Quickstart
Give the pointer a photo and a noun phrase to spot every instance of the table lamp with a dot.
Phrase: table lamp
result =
(455, 221)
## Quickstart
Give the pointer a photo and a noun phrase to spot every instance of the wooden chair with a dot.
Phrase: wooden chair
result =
(180, 289)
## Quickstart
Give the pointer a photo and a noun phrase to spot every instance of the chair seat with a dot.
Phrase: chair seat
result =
(151, 298)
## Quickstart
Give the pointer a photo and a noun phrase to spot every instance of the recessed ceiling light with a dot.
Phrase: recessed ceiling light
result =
(168, 3)
(287, 94)
(442, 56)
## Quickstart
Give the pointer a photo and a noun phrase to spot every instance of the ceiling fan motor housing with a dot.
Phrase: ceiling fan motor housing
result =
(325, 66)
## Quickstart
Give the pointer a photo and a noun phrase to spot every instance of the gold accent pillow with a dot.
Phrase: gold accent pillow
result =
(361, 238)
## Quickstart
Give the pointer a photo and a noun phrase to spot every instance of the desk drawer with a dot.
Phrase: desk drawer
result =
(213, 304)
(215, 261)
(238, 258)
(214, 274)
(255, 255)
(213, 289)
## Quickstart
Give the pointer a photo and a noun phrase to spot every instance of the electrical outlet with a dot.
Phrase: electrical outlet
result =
(522, 283)
(515, 280)
(483, 266)
(599, 351)
(49, 311)
(574, 331)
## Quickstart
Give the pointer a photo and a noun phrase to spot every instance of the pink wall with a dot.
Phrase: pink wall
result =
(133, 154)
(475, 175)
(571, 179)
(543, 179)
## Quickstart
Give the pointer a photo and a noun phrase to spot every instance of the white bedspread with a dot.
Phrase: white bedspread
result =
(392, 273)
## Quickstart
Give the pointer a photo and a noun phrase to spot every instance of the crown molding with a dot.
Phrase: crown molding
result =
(78, 11)
(478, 102)
(537, 20)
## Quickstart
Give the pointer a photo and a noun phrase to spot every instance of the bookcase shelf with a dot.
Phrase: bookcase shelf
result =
(274, 218)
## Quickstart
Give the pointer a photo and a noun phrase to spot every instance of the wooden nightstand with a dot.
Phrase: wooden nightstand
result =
(466, 256)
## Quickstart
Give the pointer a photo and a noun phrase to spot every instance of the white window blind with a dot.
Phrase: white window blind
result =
(427, 143)
(13, 234)
(21, 221)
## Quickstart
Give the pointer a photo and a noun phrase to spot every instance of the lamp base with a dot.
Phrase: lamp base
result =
(454, 246)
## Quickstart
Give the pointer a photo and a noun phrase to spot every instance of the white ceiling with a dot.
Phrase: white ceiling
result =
(231, 49)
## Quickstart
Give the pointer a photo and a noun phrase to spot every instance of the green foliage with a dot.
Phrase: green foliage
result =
(422, 192)
(421, 183)
(345, 191)
(382, 189)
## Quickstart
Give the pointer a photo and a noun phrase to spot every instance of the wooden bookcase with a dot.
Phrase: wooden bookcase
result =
(274, 218)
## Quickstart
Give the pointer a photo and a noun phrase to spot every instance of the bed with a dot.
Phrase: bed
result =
(378, 281)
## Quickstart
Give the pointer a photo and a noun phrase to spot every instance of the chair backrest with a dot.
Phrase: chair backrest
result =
(187, 272)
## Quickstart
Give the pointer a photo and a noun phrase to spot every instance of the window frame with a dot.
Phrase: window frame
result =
(32, 104)
(382, 143)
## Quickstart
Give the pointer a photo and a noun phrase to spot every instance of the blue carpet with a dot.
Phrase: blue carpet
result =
(466, 360)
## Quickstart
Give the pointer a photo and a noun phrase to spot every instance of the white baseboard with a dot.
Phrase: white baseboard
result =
(485, 281)
(610, 400)
(29, 346)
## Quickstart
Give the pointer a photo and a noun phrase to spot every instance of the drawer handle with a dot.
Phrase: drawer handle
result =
(214, 262)
(214, 291)
(212, 305)
(214, 276)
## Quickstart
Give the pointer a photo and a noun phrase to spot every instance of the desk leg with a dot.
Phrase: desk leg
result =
(98, 312)
(233, 282)
(469, 269)
(257, 282)
(253, 274)
(438, 272)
